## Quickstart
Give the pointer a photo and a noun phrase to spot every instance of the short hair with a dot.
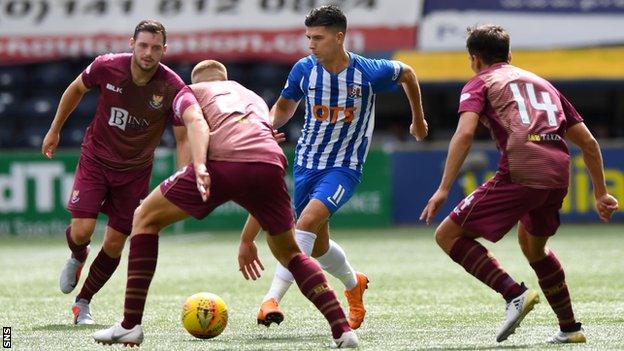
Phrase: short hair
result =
(327, 16)
(490, 42)
(208, 70)
(152, 26)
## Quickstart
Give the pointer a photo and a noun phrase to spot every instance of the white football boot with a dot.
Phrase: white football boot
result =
(70, 274)
(573, 337)
(120, 335)
(515, 311)
(82, 313)
(348, 340)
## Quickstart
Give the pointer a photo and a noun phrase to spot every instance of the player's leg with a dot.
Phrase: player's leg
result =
(126, 189)
(155, 213)
(533, 233)
(102, 268)
(175, 199)
(334, 261)
(270, 312)
(270, 205)
(313, 285)
(88, 192)
(490, 212)
(78, 235)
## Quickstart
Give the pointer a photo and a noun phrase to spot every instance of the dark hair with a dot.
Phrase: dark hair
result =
(327, 16)
(151, 26)
(490, 42)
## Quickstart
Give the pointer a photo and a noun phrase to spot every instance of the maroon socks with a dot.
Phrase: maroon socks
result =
(141, 266)
(101, 270)
(314, 286)
(478, 261)
(79, 252)
(552, 281)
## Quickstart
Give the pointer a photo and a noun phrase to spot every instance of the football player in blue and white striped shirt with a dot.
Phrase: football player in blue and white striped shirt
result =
(338, 88)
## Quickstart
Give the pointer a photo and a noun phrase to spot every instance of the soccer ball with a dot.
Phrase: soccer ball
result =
(204, 315)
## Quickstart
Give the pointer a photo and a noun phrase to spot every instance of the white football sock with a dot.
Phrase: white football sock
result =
(334, 261)
(283, 279)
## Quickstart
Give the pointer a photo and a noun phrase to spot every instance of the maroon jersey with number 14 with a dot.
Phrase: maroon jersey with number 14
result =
(527, 118)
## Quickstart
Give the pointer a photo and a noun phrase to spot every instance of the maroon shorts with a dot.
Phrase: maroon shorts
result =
(115, 193)
(497, 206)
(257, 187)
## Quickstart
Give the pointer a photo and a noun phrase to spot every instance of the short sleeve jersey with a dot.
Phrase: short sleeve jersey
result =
(240, 129)
(130, 119)
(339, 109)
(528, 119)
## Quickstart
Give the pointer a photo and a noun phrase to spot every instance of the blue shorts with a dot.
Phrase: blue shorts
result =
(332, 186)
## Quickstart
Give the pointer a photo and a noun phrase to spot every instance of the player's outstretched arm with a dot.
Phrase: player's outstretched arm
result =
(183, 150)
(198, 137)
(419, 128)
(282, 111)
(70, 99)
(458, 150)
(248, 261)
(582, 137)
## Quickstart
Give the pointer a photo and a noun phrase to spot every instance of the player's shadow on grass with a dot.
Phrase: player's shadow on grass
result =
(67, 327)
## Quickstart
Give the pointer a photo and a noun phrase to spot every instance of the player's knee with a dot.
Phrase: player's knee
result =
(309, 223)
(82, 230)
(440, 237)
(114, 246)
(141, 218)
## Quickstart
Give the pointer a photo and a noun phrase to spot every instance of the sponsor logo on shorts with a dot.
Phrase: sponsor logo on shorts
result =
(156, 102)
(75, 196)
(335, 199)
(123, 120)
(464, 204)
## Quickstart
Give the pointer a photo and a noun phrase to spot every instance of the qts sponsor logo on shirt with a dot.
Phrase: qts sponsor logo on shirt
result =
(123, 120)
(333, 113)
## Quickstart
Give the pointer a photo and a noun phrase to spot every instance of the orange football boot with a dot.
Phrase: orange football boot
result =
(270, 313)
(355, 300)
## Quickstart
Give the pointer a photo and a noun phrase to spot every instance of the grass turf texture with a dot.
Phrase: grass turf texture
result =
(418, 298)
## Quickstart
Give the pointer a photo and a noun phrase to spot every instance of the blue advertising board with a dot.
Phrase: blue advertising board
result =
(416, 175)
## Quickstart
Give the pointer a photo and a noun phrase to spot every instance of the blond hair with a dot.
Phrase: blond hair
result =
(208, 70)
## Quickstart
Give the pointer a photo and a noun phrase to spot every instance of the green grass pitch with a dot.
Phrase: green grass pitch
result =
(417, 299)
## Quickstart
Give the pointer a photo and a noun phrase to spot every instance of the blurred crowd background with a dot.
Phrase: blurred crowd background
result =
(44, 45)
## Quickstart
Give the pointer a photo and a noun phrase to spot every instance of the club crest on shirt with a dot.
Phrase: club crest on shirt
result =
(354, 91)
(74, 197)
(156, 102)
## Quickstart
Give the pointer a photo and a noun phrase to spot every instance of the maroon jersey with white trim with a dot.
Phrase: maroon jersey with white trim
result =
(130, 119)
(527, 118)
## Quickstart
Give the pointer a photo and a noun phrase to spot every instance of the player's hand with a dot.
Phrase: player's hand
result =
(606, 205)
(50, 143)
(419, 130)
(279, 137)
(248, 262)
(202, 177)
(433, 206)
